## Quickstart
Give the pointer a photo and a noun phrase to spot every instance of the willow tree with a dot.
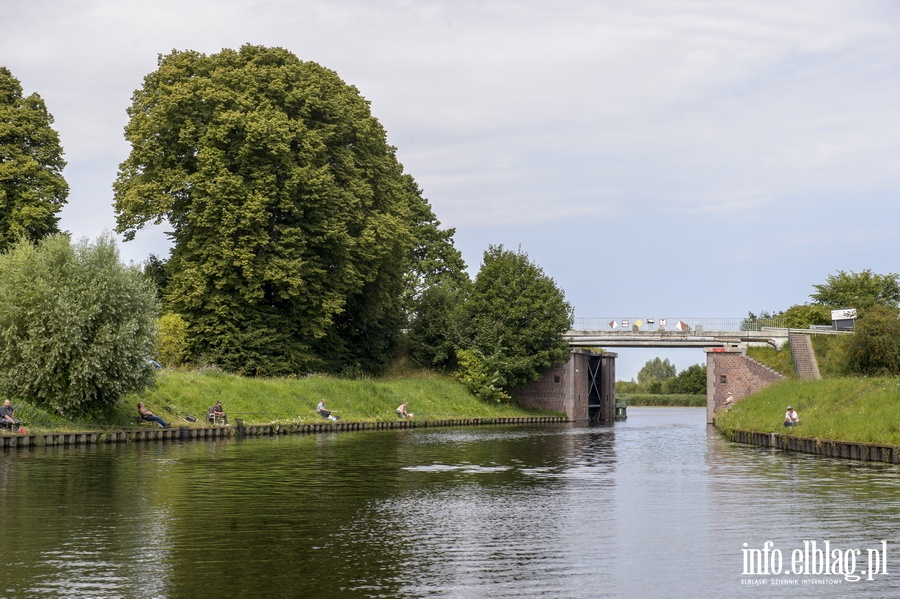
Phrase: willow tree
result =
(292, 219)
(32, 188)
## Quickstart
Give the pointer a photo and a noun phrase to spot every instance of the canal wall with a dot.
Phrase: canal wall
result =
(868, 452)
(185, 433)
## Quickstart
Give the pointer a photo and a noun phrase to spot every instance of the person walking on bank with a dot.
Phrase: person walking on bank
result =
(791, 418)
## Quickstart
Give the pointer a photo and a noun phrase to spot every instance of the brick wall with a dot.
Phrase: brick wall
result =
(546, 393)
(735, 372)
(564, 388)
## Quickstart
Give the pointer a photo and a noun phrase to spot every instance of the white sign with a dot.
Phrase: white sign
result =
(844, 314)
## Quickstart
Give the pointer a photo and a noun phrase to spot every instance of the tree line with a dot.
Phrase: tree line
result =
(299, 245)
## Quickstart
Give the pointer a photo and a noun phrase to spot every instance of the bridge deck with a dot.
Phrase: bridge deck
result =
(775, 337)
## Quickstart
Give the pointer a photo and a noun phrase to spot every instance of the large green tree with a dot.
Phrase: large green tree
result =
(656, 370)
(436, 331)
(32, 188)
(77, 327)
(515, 319)
(292, 220)
(858, 290)
(691, 380)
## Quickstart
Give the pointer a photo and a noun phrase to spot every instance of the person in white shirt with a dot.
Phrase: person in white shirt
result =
(729, 401)
(325, 412)
(791, 418)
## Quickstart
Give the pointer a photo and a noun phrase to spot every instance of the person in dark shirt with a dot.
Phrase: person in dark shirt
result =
(6, 414)
(216, 413)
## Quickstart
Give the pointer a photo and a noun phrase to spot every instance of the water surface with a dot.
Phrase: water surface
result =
(656, 506)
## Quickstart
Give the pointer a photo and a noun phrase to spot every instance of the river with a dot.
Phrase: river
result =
(655, 506)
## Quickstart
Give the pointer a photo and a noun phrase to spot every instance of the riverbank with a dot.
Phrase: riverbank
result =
(835, 414)
(867, 452)
(181, 398)
(858, 410)
(241, 430)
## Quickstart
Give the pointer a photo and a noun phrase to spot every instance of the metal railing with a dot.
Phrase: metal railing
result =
(686, 325)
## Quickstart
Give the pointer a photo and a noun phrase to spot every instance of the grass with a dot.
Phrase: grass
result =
(178, 393)
(861, 410)
(831, 356)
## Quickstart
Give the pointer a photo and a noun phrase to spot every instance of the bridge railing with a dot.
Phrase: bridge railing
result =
(686, 325)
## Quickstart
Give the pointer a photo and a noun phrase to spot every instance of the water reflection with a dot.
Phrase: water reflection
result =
(655, 504)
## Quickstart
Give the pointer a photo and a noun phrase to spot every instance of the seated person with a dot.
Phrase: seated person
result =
(216, 413)
(6, 415)
(401, 411)
(791, 418)
(146, 414)
(325, 412)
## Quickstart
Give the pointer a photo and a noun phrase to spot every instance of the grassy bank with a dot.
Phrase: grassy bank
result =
(672, 399)
(264, 401)
(862, 410)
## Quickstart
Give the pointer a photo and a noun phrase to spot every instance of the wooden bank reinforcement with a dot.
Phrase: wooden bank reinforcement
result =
(240, 430)
(869, 452)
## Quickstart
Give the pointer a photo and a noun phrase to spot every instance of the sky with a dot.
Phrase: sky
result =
(656, 158)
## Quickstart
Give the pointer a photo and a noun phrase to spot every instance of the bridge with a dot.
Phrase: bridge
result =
(584, 387)
(676, 332)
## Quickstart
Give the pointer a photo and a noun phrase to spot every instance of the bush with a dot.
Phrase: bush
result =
(77, 327)
(874, 349)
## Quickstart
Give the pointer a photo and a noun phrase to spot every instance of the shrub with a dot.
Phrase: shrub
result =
(77, 326)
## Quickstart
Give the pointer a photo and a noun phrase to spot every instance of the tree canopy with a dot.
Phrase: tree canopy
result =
(32, 188)
(294, 226)
(77, 327)
(858, 290)
(514, 320)
(802, 316)
(656, 370)
(691, 380)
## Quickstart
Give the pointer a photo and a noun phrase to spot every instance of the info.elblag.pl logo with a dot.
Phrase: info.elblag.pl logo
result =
(816, 559)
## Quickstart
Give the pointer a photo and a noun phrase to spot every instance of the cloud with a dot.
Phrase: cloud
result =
(524, 121)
